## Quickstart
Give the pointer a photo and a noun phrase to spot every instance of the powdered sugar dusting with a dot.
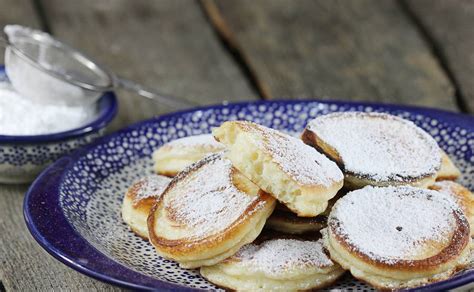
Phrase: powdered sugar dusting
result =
(302, 162)
(459, 194)
(379, 146)
(150, 186)
(451, 188)
(275, 257)
(393, 223)
(204, 140)
(204, 199)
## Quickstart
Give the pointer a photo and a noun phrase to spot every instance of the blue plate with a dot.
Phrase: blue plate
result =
(73, 208)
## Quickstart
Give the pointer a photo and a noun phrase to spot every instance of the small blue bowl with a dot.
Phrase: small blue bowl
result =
(22, 158)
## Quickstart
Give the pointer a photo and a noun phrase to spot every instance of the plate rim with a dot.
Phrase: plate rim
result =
(47, 184)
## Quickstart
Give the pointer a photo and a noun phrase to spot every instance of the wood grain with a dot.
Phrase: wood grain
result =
(358, 50)
(361, 50)
(24, 265)
(145, 41)
(450, 25)
(165, 44)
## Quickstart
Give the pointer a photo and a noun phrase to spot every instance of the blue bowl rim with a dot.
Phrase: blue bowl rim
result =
(47, 184)
(108, 106)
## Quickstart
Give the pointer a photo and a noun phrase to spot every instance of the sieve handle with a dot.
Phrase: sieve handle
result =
(152, 94)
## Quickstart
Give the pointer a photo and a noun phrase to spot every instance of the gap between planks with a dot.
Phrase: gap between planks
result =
(428, 85)
(225, 36)
(437, 52)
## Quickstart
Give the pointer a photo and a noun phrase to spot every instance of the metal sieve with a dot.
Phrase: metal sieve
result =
(48, 71)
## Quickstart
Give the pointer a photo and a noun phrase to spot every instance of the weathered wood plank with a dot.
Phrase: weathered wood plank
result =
(24, 266)
(450, 24)
(359, 50)
(167, 44)
(158, 43)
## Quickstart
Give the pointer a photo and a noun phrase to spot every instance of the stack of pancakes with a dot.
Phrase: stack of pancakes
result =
(257, 209)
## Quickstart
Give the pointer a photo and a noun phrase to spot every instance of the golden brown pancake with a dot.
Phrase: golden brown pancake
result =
(139, 200)
(376, 149)
(398, 237)
(448, 170)
(174, 156)
(275, 264)
(289, 222)
(296, 174)
(283, 220)
(461, 195)
(207, 213)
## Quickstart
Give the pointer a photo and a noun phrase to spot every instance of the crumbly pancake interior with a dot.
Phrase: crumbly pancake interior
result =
(294, 173)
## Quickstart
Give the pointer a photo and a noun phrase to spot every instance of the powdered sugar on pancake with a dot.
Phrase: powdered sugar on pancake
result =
(203, 199)
(452, 188)
(279, 256)
(394, 223)
(379, 146)
(150, 186)
(204, 140)
(459, 194)
(300, 161)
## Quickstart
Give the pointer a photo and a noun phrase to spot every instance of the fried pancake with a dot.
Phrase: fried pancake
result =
(207, 213)
(283, 220)
(280, 264)
(398, 237)
(376, 149)
(176, 155)
(289, 222)
(448, 170)
(139, 200)
(296, 174)
(461, 195)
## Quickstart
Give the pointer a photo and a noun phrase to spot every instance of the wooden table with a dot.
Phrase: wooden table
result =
(418, 52)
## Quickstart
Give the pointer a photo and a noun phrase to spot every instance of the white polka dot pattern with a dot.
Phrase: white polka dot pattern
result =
(92, 191)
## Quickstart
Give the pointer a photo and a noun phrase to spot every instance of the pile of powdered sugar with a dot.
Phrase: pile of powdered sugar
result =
(20, 116)
(379, 146)
(275, 257)
(392, 223)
